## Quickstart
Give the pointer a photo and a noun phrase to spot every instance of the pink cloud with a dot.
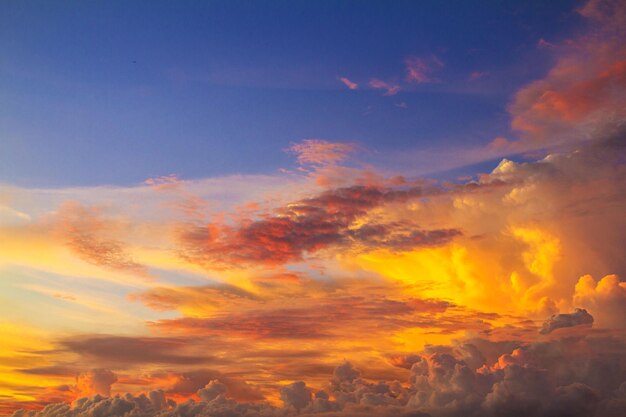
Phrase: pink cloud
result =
(545, 44)
(348, 83)
(320, 152)
(419, 70)
(477, 75)
(391, 89)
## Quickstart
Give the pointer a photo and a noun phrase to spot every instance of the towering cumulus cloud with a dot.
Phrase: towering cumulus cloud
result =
(340, 287)
(97, 381)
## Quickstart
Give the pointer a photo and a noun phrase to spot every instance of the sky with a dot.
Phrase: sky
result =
(330, 208)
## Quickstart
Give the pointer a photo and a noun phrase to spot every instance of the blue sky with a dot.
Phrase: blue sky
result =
(116, 92)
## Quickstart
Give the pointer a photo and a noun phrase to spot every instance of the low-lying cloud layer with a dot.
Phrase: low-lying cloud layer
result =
(580, 376)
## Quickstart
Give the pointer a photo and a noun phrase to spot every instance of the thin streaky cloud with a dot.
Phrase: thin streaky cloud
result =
(348, 83)
(390, 89)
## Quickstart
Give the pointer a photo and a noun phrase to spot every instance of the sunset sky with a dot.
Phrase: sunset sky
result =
(330, 208)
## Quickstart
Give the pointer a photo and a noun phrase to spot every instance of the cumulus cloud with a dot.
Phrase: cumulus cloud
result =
(211, 383)
(212, 390)
(513, 256)
(506, 260)
(97, 381)
(558, 321)
(606, 298)
(296, 395)
(371, 271)
(569, 376)
(345, 373)
(100, 406)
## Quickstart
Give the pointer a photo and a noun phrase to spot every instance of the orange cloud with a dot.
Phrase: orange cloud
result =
(606, 299)
(434, 291)
(97, 381)
(569, 376)
(87, 234)
(376, 271)
(327, 318)
(192, 301)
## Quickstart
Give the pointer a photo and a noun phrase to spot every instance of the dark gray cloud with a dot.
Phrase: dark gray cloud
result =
(558, 321)
(134, 350)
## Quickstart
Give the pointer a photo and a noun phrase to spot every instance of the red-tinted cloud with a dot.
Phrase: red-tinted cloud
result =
(584, 96)
(308, 226)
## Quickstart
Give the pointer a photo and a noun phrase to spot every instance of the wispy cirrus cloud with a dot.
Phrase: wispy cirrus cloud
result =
(86, 233)
(305, 322)
(544, 44)
(477, 75)
(348, 83)
(391, 89)
(420, 70)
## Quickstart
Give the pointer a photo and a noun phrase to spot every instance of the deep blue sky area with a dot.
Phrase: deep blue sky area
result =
(95, 92)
